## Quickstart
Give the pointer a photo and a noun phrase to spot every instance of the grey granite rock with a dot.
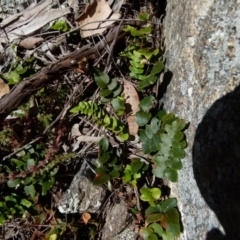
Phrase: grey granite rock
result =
(202, 39)
(82, 195)
(119, 224)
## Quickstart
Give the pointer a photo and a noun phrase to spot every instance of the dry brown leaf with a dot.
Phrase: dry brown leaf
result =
(30, 42)
(132, 102)
(132, 125)
(108, 23)
(84, 138)
(4, 88)
(99, 11)
(75, 131)
(86, 217)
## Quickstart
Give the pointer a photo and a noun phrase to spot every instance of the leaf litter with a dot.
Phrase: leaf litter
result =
(98, 19)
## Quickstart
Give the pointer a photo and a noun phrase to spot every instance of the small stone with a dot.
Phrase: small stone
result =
(82, 195)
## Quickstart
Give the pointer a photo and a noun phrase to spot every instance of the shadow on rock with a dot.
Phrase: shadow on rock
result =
(216, 163)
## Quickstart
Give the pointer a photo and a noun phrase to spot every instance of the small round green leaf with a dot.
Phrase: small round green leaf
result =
(168, 204)
(158, 172)
(156, 193)
(136, 64)
(102, 79)
(30, 163)
(166, 139)
(155, 217)
(102, 170)
(26, 203)
(148, 131)
(54, 171)
(144, 83)
(181, 125)
(114, 173)
(174, 163)
(13, 183)
(146, 30)
(170, 131)
(10, 199)
(142, 135)
(161, 161)
(137, 76)
(137, 54)
(145, 191)
(143, 16)
(27, 180)
(17, 162)
(30, 190)
(104, 157)
(124, 136)
(155, 125)
(166, 235)
(164, 150)
(106, 120)
(145, 232)
(134, 58)
(75, 110)
(101, 178)
(104, 144)
(142, 118)
(158, 67)
(118, 105)
(168, 118)
(105, 92)
(136, 165)
(153, 237)
(105, 100)
(2, 220)
(171, 174)
(172, 221)
(178, 136)
(177, 144)
(127, 176)
(113, 123)
(117, 91)
(155, 143)
(147, 103)
(157, 228)
(136, 70)
(46, 185)
(113, 85)
(177, 153)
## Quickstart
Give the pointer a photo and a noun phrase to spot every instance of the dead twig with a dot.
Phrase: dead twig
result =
(22, 91)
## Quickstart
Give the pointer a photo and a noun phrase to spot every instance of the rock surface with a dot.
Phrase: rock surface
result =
(202, 41)
(119, 224)
(82, 196)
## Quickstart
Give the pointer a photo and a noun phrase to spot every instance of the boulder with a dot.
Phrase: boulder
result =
(202, 40)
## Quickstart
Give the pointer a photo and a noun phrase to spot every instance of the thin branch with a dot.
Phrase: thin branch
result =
(113, 43)
(20, 149)
(20, 92)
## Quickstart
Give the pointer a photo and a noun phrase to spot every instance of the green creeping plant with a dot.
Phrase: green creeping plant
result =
(163, 138)
(162, 221)
(26, 182)
(109, 88)
(101, 117)
(134, 171)
(145, 61)
(110, 165)
(61, 26)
